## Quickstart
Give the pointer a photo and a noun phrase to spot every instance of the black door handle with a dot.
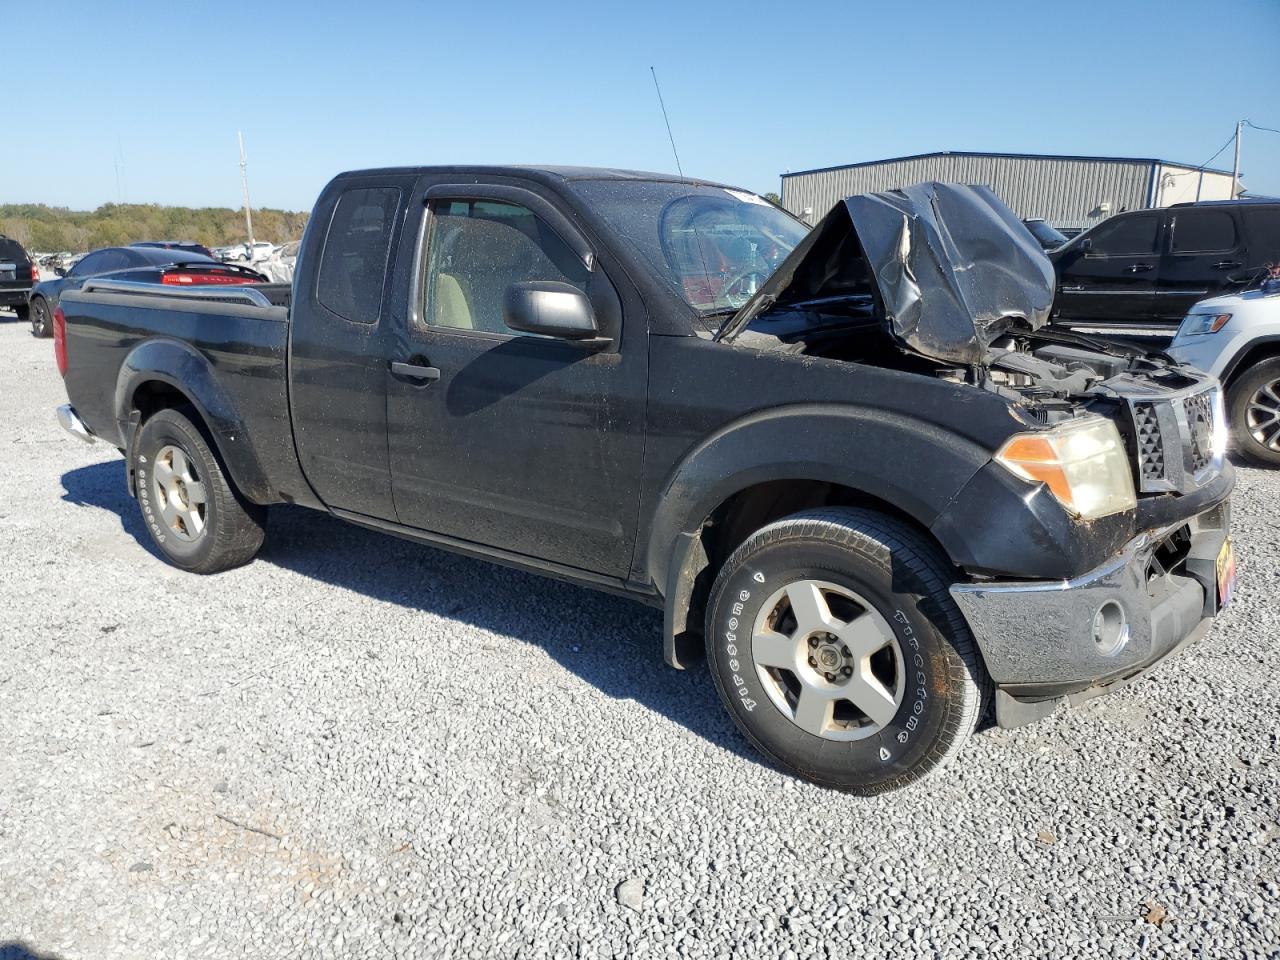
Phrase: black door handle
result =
(1138, 268)
(1226, 264)
(413, 371)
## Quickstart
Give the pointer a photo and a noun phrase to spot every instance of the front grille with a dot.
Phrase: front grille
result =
(1199, 415)
(1173, 440)
(1146, 426)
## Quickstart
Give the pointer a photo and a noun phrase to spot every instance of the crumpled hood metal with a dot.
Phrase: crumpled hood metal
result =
(952, 268)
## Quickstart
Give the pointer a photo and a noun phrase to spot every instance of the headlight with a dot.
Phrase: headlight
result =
(1083, 463)
(1198, 323)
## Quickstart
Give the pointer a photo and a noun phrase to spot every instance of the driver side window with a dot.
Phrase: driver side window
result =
(1127, 236)
(476, 249)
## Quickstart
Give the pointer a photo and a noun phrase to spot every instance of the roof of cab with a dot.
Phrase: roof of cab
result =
(536, 172)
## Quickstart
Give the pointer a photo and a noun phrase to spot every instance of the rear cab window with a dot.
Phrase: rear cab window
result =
(357, 249)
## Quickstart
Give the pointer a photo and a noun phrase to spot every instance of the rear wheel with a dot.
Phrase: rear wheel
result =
(193, 514)
(41, 319)
(1254, 412)
(836, 647)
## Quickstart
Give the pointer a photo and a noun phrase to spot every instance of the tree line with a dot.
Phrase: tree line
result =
(51, 229)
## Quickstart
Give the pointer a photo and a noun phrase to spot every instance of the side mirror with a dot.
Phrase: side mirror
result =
(550, 308)
(60, 271)
(1086, 245)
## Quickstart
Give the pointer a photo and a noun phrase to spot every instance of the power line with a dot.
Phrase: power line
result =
(1250, 123)
(1200, 168)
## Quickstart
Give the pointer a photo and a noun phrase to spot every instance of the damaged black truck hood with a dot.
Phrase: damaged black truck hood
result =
(950, 266)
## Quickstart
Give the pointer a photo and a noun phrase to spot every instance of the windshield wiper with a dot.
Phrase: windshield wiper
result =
(1118, 348)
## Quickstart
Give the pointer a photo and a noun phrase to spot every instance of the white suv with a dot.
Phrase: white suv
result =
(1237, 339)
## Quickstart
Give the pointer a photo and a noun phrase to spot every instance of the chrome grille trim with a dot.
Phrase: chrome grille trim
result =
(1146, 426)
(1173, 439)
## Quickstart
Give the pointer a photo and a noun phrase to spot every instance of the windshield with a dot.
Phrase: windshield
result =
(1045, 233)
(715, 246)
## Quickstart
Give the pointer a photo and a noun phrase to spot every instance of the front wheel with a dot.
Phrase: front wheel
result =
(195, 517)
(1254, 412)
(836, 647)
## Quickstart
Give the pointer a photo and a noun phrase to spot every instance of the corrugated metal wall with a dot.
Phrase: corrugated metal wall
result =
(1066, 192)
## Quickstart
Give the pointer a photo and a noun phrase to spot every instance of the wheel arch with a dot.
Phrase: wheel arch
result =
(1253, 353)
(165, 374)
(724, 490)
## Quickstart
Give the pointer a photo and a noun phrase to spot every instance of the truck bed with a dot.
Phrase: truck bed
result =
(235, 339)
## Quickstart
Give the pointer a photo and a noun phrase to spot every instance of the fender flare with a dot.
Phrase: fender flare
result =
(185, 369)
(858, 447)
(1234, 365)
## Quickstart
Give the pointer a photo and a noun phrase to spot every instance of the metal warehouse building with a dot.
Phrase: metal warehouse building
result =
(1069, 192)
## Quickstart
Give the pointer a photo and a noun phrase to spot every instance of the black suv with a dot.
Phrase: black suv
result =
(1150, 266)
(18, 274)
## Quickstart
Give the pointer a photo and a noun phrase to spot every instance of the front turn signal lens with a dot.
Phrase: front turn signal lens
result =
(1213, 322)
(1082, 462)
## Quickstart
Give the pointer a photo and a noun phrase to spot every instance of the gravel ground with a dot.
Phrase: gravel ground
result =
(358, 747)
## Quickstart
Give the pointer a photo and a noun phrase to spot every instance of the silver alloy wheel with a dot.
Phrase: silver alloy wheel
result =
(828, 660)
(180, 493)
(1262, 415)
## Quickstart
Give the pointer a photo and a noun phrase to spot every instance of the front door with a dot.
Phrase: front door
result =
(524, 443)
(1114, 279)
(1206, 257)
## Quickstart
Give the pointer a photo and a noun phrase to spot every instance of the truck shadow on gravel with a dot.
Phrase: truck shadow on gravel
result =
(20, 951)
(613, 643)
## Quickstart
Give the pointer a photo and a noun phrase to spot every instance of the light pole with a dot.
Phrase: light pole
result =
(1235, 169)
(244, 184)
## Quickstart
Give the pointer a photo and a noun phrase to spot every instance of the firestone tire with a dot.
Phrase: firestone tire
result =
(196, 519)
(898, 649)
(1253, 412)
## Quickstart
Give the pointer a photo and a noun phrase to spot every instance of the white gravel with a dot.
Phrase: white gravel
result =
(358, 747)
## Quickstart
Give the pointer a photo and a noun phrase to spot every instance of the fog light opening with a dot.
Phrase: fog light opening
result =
(1110, 629)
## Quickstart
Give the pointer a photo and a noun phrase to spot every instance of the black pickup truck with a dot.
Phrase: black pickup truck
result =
(850, 463)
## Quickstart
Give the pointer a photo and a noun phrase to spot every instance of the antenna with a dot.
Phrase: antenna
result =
(666, 121)
(244, 184)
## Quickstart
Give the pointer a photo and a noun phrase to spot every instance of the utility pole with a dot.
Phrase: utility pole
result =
(244, 183)
(1235, 170)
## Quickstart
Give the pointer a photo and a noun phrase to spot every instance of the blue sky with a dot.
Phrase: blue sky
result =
(753, 89)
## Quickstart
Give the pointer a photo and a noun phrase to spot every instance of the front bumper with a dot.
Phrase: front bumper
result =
(1042, 641)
